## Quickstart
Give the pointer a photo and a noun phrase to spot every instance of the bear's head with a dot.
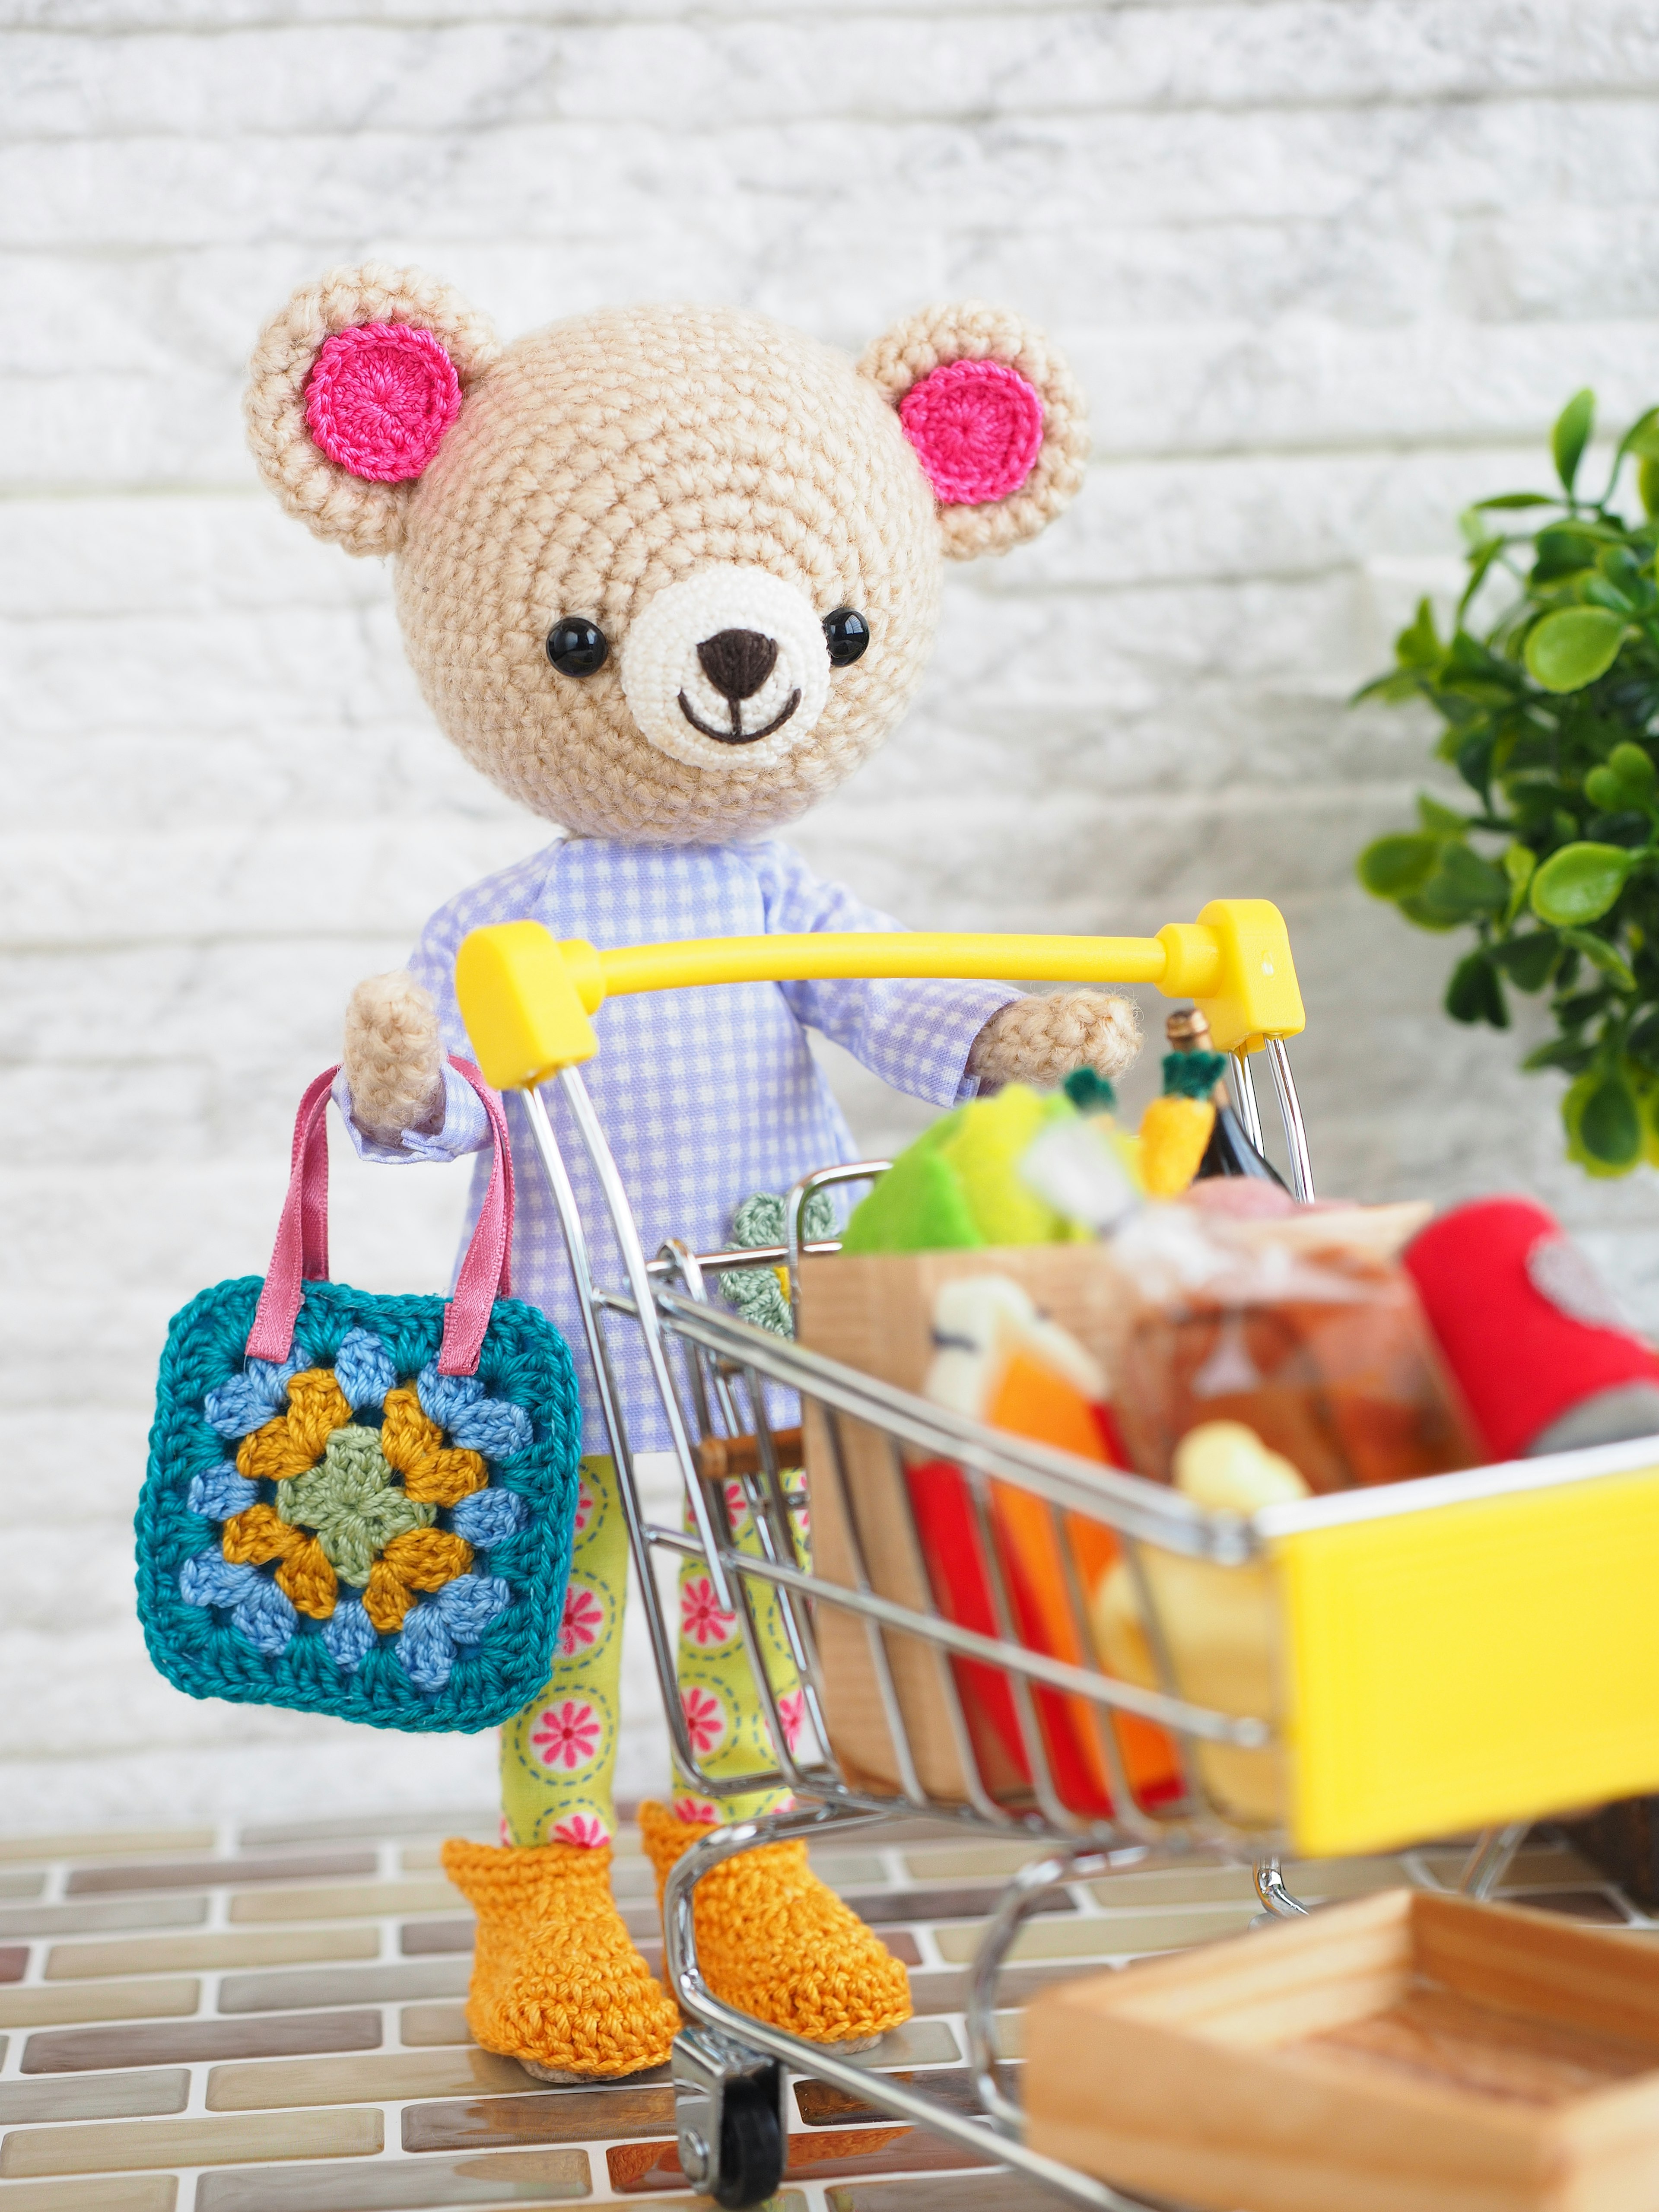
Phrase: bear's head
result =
(665, 574)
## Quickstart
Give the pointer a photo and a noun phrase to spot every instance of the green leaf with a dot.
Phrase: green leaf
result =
(1629, 828)
(1439, 821)
(1647, 486)
(1643, 1043)
(1476, 534)
(1604, 1126)
(1528, 788)
(1463, 697)
(1601, 955)
(1393, 867)
(1474, 993)
(1519, 861)
(1605, 787)
(1622, 569)
(1569, 650)
(1560, 557)
(1634, 768)
(1512, 499)
(1528, 961)
(1399, 684)
(1473, 755)
(1560, 1052)
(1598, 592)
(1480, 561)
(1417, 645)
(1571, 435)
(1466, 657)
(1579, 884)
(1564, 548)
(1582, 1007)
(1643, 436)
(1418, 910)
(1463, 886)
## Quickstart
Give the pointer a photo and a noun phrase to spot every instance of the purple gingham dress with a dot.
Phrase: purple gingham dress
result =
(705, 1095)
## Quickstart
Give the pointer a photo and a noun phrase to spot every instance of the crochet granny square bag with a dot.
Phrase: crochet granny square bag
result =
(362, 1505)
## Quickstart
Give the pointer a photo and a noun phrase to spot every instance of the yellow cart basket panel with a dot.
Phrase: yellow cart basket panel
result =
(1488, 1658)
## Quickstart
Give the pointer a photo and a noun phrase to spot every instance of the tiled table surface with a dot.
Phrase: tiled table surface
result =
(271, 2021)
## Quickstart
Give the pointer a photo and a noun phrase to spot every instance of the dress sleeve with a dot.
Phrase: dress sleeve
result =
(465, 1126)
(916, 1036)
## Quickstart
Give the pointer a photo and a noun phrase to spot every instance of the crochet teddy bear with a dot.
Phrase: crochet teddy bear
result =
(666, 576)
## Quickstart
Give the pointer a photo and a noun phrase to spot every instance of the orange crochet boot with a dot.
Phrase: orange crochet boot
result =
(775, 1944)
(556, 1982)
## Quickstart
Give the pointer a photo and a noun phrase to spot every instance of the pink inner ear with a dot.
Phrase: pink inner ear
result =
(380, 397)
(977, 429)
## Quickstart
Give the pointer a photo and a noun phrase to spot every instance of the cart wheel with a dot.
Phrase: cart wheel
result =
(751, 2163)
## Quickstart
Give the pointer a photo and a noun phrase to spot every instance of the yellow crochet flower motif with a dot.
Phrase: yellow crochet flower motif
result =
(342, 1514)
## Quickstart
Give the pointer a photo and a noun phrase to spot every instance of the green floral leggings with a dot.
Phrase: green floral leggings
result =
(559, 1756)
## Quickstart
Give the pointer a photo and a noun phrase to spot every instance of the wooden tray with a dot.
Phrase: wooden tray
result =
(1407, 2053)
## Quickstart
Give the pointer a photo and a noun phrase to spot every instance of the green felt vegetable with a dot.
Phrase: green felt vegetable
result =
(958, 1185)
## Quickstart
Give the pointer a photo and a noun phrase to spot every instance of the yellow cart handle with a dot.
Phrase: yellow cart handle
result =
(527, 999)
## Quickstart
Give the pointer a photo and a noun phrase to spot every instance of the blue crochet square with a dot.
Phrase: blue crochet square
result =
(216, 1542)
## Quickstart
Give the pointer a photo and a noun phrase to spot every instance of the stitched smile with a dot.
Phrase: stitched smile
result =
(737, 735)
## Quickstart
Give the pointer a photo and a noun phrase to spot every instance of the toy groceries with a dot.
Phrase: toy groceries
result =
(1001, 1362)
(1192, 1131)
(1219, 1623)
(1324, 1354)
(1236, 1304)
(960, 1184)
(1249, 1351)
(1544, 1358)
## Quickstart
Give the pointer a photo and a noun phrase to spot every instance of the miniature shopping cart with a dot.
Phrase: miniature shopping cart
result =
(1461, 1653)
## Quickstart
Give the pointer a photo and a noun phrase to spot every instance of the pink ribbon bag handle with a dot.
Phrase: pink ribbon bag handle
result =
(300, 1253)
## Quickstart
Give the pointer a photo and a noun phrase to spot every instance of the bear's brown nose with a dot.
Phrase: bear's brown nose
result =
(737, 662)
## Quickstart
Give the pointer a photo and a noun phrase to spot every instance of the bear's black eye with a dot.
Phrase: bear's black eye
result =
(847, 634)
(577, 646)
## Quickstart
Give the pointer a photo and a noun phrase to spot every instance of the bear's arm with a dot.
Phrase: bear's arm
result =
(465, 1127)
(916, 1036)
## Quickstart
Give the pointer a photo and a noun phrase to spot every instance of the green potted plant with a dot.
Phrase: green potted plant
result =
(1549, 702)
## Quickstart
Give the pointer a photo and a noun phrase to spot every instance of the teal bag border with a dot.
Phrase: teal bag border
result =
(524, 1361)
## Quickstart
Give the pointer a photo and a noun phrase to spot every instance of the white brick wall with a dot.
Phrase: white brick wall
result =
(1327, 268)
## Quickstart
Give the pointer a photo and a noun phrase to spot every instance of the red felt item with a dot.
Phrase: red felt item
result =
(961, 1585)
(1117, 1452)
(961, 1589)
(1524, 1324)
(948, 1530)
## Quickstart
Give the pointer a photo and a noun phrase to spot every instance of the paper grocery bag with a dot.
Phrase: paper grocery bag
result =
(873, 1311)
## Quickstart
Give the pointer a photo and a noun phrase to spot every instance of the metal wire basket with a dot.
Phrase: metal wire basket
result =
(1353, 1775)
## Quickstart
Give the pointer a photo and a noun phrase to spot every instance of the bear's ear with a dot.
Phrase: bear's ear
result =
(995, 417)
(350, 391)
